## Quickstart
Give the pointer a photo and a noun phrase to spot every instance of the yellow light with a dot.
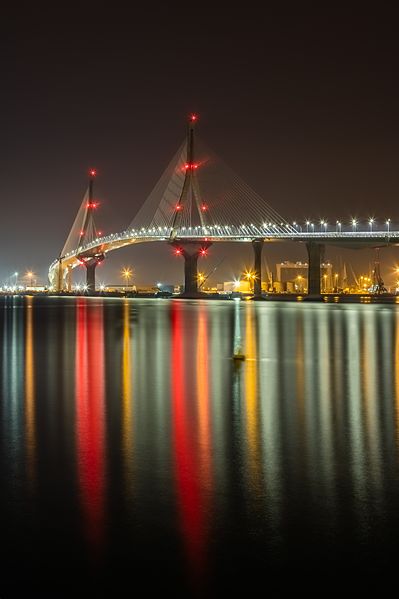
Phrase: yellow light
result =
(127, 273)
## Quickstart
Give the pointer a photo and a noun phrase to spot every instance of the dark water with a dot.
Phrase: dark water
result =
(133, 451)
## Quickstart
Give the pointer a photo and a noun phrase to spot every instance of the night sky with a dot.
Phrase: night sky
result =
(302, 104)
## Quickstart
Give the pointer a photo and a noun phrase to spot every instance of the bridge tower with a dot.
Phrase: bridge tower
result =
(90, 259)
(190, 201)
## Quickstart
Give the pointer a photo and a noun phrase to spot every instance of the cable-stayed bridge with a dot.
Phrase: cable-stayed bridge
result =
(199, 201)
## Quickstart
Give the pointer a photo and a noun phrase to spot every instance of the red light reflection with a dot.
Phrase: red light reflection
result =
(186, 460)
(89, 397)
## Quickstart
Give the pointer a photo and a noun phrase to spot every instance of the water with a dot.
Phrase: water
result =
(134, 450)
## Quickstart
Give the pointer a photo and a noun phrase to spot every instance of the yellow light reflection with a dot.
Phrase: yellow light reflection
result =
(251, 389)
(397, 372)
(30, 391)
(127, 411)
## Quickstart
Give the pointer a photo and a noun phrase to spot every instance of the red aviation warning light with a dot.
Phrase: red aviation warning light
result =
(177, 252)
(204, 208)
(179, 207)
(203, 252)
(93, 172)
(82, 233)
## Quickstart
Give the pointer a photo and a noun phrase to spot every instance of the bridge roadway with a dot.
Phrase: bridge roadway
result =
(190, 243)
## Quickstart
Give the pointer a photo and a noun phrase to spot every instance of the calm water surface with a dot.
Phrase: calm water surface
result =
(133, 450)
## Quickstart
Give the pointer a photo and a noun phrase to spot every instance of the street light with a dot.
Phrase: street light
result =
(250, 276)
(354, 224)
(371, 224)
(338, 227)
(127, 274)
(388, 224)
(29, 275)
(307, 226)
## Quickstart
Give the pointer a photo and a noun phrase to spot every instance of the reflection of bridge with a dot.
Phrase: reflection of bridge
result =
(199, 201)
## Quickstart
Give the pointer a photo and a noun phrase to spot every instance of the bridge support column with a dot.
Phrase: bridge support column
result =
(191, 252)
(315, 255)
(91, 276)
(91, 264)
(68, 279)
(190, 273)
(257, 246)
(59, 283)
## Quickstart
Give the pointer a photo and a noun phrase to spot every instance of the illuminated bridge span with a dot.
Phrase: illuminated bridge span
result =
(198, 201)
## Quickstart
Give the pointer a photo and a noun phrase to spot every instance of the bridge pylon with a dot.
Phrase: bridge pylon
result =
(90, 259)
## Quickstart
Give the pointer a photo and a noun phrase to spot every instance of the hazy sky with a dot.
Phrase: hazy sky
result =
(302, 105)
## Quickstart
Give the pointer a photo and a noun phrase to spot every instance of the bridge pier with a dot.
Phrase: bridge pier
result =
(257, 246)
(191, 252)
(68, 279)
(91, 264)
(315, 256)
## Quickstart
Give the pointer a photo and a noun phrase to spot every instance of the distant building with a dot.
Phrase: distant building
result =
(234, 286)
(292, 277)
